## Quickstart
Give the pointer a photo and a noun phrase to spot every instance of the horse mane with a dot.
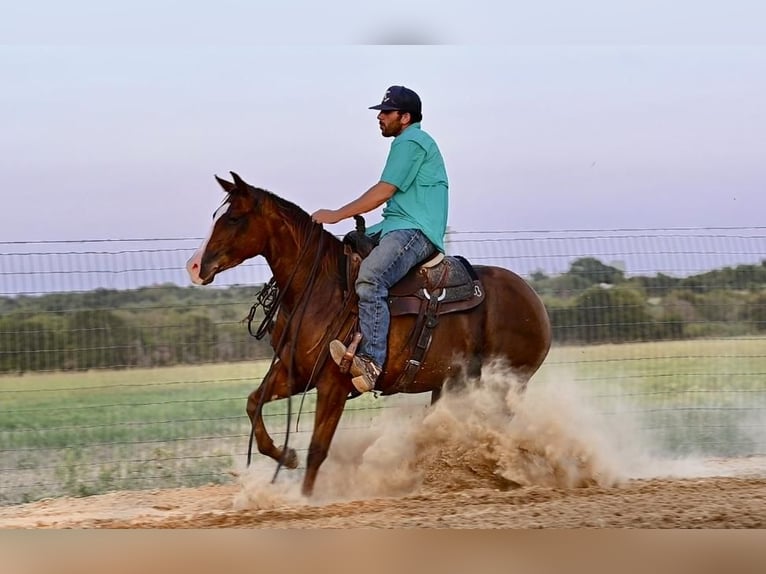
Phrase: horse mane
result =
(301, 226)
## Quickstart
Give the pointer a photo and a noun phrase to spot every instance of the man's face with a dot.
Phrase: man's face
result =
(392, 122)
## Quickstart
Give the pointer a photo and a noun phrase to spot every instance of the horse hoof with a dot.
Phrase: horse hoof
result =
(291, 459)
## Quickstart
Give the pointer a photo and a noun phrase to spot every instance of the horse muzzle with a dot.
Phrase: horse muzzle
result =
(194, 269)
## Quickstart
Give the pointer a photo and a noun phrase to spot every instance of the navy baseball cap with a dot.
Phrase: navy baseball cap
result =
(401, 99)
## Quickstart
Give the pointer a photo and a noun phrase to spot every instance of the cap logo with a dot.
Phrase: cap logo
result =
(387, 96)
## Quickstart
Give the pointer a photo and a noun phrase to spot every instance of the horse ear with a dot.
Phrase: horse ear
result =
(238, 180)
(226, 185)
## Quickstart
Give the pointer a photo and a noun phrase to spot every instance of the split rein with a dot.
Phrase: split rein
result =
(270, 298)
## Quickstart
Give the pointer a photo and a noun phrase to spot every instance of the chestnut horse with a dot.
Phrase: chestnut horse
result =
(308, 265)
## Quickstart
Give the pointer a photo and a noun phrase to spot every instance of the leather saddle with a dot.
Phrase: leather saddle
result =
(451, 279)
(439, 285)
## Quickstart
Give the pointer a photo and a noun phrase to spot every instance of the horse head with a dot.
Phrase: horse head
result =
(232, 238)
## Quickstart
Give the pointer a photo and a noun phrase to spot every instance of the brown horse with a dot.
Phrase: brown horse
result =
(308, 265)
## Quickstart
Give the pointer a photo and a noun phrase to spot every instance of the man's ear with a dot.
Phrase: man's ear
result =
(405, 118)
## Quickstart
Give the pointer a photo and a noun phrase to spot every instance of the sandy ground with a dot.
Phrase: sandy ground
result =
(464, 464)
(686, 503)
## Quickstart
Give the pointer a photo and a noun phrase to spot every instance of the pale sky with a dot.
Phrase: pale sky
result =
(114, 119)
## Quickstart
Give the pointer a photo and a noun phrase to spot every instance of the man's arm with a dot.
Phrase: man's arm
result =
(374, 197)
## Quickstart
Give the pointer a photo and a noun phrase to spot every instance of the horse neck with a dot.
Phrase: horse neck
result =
(291, 253)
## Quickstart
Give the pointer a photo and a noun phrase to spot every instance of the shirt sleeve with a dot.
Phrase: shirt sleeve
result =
(403, 164)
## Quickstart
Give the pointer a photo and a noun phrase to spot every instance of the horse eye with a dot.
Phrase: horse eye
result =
(233, 220)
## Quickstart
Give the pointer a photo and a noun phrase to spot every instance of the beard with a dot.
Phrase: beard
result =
(392, 129)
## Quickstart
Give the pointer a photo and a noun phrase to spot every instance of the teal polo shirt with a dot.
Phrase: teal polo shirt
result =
(421, 200)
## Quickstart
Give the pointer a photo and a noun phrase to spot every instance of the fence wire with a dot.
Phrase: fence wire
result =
(115, 373)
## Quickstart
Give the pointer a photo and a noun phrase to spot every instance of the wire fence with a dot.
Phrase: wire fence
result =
(33, 268)
(116, 374)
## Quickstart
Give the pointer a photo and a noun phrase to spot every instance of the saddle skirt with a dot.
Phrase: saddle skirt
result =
(450, 279)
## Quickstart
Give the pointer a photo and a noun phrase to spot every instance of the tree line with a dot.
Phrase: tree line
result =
(170, 325)
(595, 303)
(148, 327)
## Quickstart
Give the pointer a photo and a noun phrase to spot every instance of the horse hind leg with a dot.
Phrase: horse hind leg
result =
(276, 384)
(463, 371)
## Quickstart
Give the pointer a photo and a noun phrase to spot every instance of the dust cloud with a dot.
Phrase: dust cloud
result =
(486, 434)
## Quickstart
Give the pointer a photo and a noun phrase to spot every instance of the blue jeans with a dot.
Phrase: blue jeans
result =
(396, 253)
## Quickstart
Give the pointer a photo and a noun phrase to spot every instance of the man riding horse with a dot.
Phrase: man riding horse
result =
(443, 319)
(415, 189)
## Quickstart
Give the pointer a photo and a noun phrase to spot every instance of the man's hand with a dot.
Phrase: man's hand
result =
(326, 216)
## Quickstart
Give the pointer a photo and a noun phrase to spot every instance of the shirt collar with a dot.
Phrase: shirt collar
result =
(416, 126)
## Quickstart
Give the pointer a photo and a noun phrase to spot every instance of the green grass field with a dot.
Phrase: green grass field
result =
(668, 372)
(91, 432)
(699, 397)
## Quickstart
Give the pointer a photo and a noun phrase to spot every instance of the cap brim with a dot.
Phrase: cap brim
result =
(383, 107)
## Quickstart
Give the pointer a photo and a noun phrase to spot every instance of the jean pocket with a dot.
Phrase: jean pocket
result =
(426, 248)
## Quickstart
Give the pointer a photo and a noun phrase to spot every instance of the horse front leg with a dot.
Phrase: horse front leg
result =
(331, 399)
(276, 384)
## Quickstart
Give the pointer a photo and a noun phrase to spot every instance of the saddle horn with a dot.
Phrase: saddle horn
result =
(361, 227)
